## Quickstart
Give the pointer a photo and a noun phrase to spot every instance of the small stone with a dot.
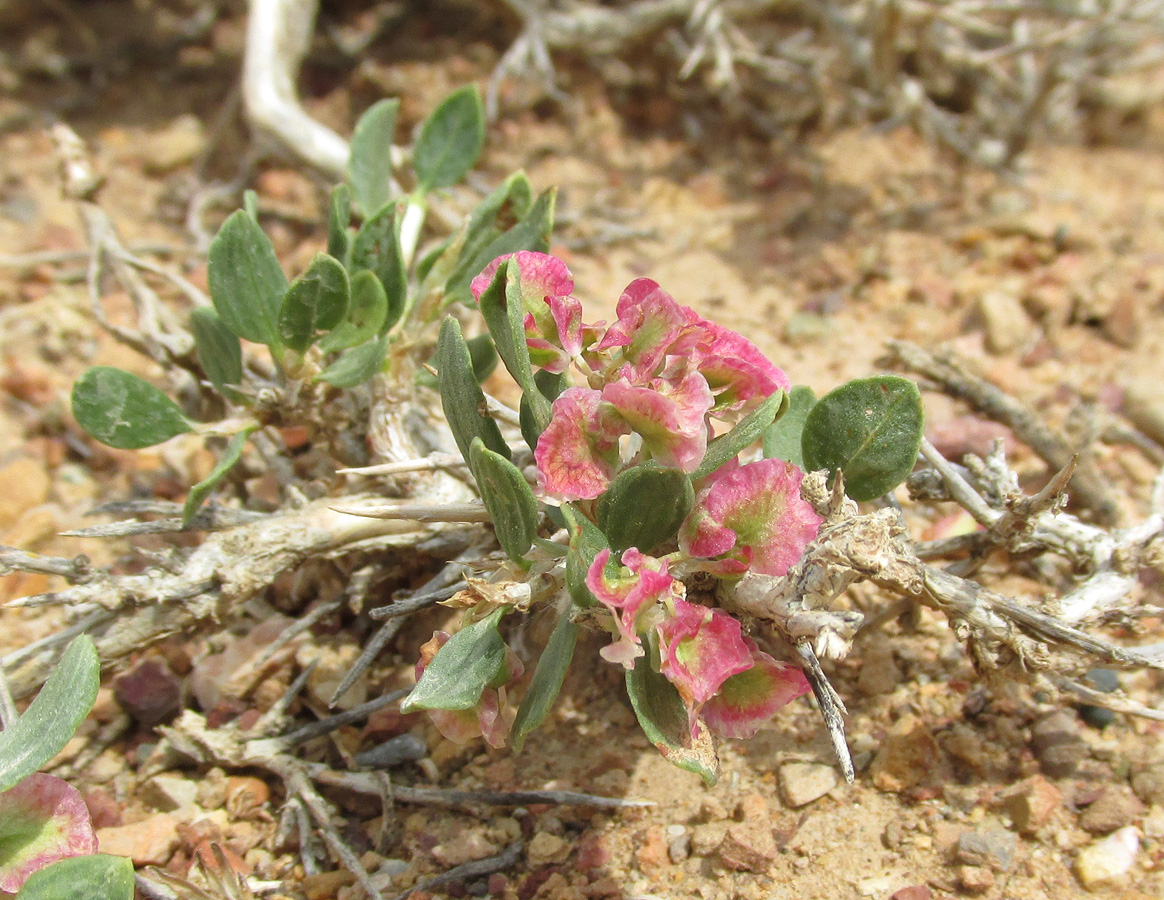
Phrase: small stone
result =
(1144, 406)
(678, 843)
(1058, 744)
(990, 847)
(1006, 322)
(1116, 808)
(466, 846)
(546, 849)
(324, 885)
(748, 847)
(393, 752)
(149, 842)
(1107, 681)
(652, 853)
(1031, 803)
(801, 783)
(706, 837)
(149, 691)
(879, 672)
(913, 892)
(245, 796)
(907, 757)
(1148, 782)
(177, 144)
(332, 664)
(1108, 860)
(975, 879)
(167, 793)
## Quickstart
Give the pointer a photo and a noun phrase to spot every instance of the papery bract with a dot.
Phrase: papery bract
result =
(669, 413)
(700, 649)
(755, 514)
(734, 367)
(632, 596)
(749, 699)
(648, 326)
(577, 453)
(42, 820)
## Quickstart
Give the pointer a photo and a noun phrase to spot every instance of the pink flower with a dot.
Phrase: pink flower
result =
(701, 648)
(577, 453)
(750, 698)
(42, 820)
(669, 413)
(491, 718)
(649, 324)
(632, 596)
(754, 515)
(736, 370)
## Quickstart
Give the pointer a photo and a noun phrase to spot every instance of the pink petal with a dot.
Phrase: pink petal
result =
(669, 414)
(542, 276)
(577, 453)
(42, 820)
(748, 700)
(736, 370)
(632, 596)
(754, 508)
(649, 323)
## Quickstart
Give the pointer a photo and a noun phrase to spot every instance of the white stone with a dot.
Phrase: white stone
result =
(1110, 859)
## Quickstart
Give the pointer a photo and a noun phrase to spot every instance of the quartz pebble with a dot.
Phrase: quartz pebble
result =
(801, 783)
(1108, 860)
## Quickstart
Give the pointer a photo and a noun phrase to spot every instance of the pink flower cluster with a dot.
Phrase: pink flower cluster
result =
(653, 381)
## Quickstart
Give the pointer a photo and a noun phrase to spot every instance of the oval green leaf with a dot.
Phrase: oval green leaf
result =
(644, 506)
(783, 437)
(246, 281)
(366, 313)
(508, 497)
(229, 459)
(870, 429)
(315, 302)
(547, 680)
(123, 411)
(339, 216)
(461, 396)
(357, 365)
(53, 717)
(218, 348)
(96, 877)
(503, 310)
(370, 160)
(461, 670)
(376, 247)
(748, 429)
(450, 140)
(484, 356)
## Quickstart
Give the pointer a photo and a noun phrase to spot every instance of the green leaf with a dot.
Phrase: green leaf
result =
(316, 301)
(547, 680)
(356, 365)
(123, 411)
(53, 717)
(663, 718)
(339, 216)
(246, 282)
(230, 457)
(531, 233)
(484, 356)
(508, 497)
(748, 430)
(450, 140)
(503, 310)
(644, 506)
(782, 439)
(218, 348)
(376, 247)
(471, 661)
(461, 396)
(870, 429)
(366, 313)
(96, 877)
(370, 161)
(586, 542)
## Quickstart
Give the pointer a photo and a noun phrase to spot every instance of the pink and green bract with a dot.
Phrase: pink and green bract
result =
(633, 597)
(750, 698)
(42, 820)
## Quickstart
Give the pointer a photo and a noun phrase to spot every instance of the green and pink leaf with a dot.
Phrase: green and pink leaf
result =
(750, 698)
(42, 820)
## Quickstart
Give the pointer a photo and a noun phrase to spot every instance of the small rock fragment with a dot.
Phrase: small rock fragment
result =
(545, 849)
(1148, 782)
(324, 885)
(1031, 803)
(149, 842)
(1105, 680)
(706, 837)
(167, 793)
(149, 691)
(747, 847)
(913, 892)
(801, 783)
(1108, 860)
(907, 757)
(990, 847)
(1006, 322)
(652, 853)
(246, 796)
(879, 672)
(678, 843)
(975, 879)
(1117, 807)
(465, 847)
(403, 748)
(1058, 744)
(24, 483)
(175, 145)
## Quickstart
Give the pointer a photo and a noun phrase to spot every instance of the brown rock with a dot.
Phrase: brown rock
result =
(1058, 744)
(992, 848)
(245, 795)
(464, 847)
(802, 783)
(1148, 783)
(149, 842)
(706, 837)
(545, 849)
(1006, 322)
(913, 892)
(149, 691)
(1031, 803)
(907, 757)
(748, 847)
(652, 854)
(1117, 807)
(324, 885)
(975, 879)
(175, 145)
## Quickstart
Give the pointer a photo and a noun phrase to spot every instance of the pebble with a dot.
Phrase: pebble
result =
(678, 843)
(1006, 322)
(1031, 803)
(801, 783)
(913, 892)
(879, 672)
(653, 852)
(466, 846)
(167, 793)
(1116, 808)
(1058, 744)
(908, 755)
(173, 146)
(706, 837)
(748, 847)
(1108, 860)
(149, 842)
(1148, 782)
(245, 796)
(990, 847)
(333, 662)
(545, 849)
(975, 879)
(324, 885)
(393, 752)
(1144, 407)
(1105, 680)
(149, 691)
